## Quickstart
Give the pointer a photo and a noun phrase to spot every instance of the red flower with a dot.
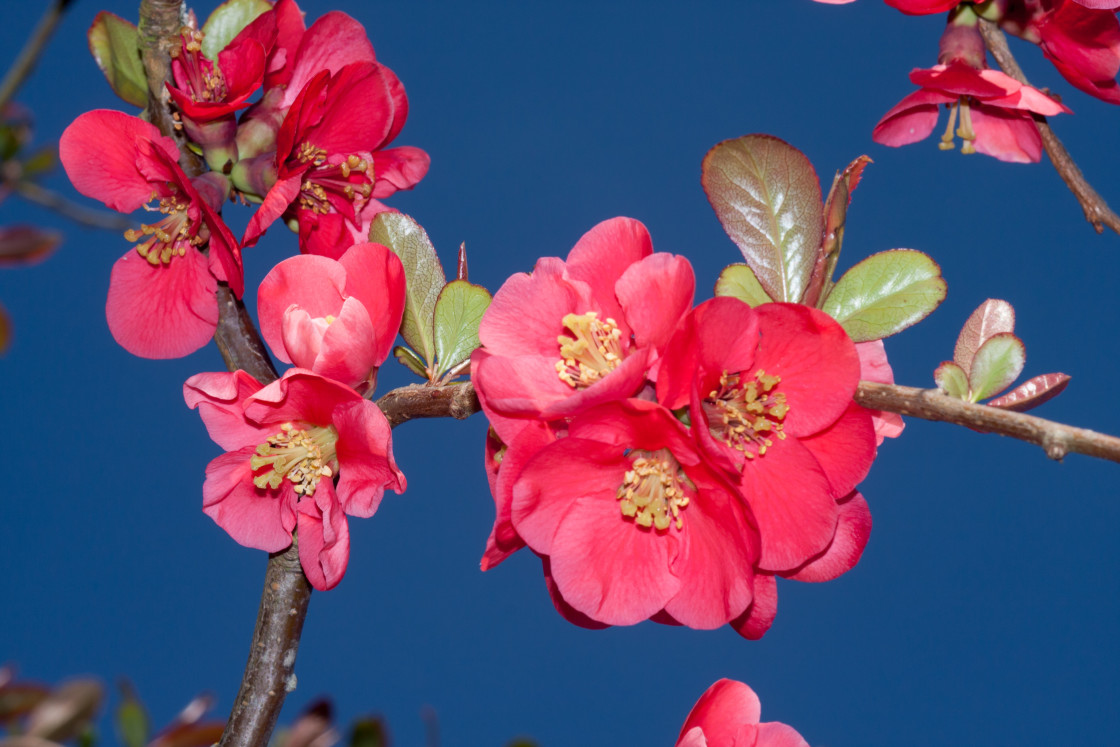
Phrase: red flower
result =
(579, 332)
(727, 715)
(770, 399)
(994, 110)
(161, 296)
(1083, 43)
(285, 443)
(873, 366)
(633, 522)
(325, 167)
(336, 318)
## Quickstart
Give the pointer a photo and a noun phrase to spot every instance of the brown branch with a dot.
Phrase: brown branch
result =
(1097, 211)
(69, 209)
(930, 404)
(423, 401)
(32, 49)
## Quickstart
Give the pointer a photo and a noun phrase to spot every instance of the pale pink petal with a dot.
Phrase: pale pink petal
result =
(162, 311)
(365, 458)
(301, 338)
(694, 737)
(852, 532)
(526, 315)
(324, 538)
(398, 168)
(777, 734)
(348, 351)
(313, 283)
(252, 517)
(605, 252)
(873, 366)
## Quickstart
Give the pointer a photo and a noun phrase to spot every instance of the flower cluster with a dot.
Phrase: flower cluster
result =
(311, 149)
(668, 462)
(990, 111)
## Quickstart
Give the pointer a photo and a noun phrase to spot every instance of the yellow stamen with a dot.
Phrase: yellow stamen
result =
(747, 415)
(303, 455)
(593, 352)
(653, 490)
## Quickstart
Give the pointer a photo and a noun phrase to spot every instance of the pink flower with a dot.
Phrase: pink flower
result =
(873, 366)
(579, 332)
(769, 392)
(161, 296)
(1083, 43)
(207, 90)
(286, 443)
(727, 715)
(326, 165)
(337, 318)
(634, 523)
(994, 110)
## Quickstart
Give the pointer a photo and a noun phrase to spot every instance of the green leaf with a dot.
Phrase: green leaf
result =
(739, 281)
(991, 318)
(886, 293)
(459, 311)
(132, 719)
(997, 363)
(227, 21)
(768, 199)
(952, 380)
(368, 732)
(410, 360)
(423, 277)
(115, 46)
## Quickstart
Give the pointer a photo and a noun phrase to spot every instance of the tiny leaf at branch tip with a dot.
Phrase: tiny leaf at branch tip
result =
(997, 364)
(115, 46)
(739, 281)
(990, 318)
(951, 380)
(1032, 393)
(461, 273)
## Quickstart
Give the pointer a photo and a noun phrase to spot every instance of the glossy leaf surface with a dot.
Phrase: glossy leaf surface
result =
(739, 281)
(766, 194)
(115, 46)
(886, 293)
(459, 311)
(991, 318)
(1032, 393)
(410, 360)
(423, 273)
(997, 363)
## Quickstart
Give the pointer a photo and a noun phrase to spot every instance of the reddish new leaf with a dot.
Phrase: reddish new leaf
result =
(26, 244)
(991, 318)
(768, 199)
(835, 217)
(1032, 393)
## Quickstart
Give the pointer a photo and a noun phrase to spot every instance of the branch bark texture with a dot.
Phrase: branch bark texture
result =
(1096, 209)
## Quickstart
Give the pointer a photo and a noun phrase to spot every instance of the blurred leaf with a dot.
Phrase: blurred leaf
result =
(458, 313)
(991, 318)
(369, 732)
(115, 46)
(202, 734)
(17, 698)
(835, 218)
(997, 363)
(67, 711)
(27, 741)
(768, 199)
(522, 742)
(227, 21)
(42, 160)
(313, 727)
(1032, 393)
(5, 341)
(410, 360)
(952, 380)
(886, 293)
(26, 244)
(738, 281)
(423, 277)
(132, 719)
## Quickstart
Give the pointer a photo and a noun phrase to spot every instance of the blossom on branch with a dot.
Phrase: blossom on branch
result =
(286, 444)
(161, 296)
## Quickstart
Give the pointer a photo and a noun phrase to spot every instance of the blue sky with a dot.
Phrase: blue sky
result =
(985, 606)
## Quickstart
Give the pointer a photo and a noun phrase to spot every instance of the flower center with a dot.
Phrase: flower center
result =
(341, 187)
(593, 352)
(964, 132)
(746, 414)
(203, 78)
(302, 454)
(653, 491)
(169, 237)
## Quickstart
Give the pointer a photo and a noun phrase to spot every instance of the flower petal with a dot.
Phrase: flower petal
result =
(852, 532)
(256, 518)
(365, 458)
(324, 538)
